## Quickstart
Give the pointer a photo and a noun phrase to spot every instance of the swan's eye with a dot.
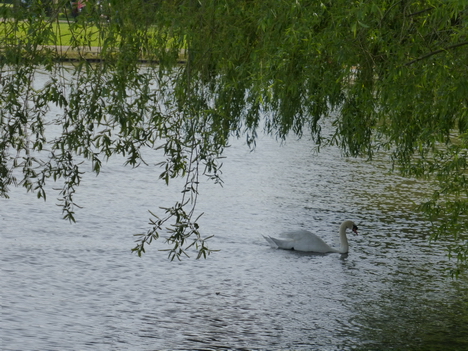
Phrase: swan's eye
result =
(355, 229)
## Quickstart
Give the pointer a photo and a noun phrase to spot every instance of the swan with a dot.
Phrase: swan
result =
(303, 240)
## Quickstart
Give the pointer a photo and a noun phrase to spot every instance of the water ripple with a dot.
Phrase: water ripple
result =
(77, 287)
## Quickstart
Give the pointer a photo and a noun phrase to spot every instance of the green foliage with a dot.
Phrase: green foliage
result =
(388, 75)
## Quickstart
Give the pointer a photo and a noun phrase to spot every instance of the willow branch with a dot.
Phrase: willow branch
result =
(419, 12)
(436, 52)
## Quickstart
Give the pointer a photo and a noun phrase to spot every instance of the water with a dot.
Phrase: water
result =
(78, 287)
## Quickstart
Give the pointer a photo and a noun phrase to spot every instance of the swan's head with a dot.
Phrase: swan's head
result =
(351, 225)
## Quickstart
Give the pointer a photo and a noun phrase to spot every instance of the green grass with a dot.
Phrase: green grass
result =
(63, 33)
(46, 33)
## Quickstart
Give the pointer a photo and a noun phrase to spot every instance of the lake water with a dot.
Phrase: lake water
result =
(78, 287)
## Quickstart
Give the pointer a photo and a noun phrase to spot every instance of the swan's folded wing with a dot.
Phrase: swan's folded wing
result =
(303, 240)
(280, 244)
(300, 240)
(296, 235)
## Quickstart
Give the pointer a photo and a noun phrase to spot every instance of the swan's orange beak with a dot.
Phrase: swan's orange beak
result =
(355, 229)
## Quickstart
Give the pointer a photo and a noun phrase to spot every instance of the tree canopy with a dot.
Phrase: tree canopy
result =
(387, 74)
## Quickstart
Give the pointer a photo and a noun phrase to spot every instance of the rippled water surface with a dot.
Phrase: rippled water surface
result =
(78, 287)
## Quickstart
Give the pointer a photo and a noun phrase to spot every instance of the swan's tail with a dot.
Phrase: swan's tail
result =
(271, 242)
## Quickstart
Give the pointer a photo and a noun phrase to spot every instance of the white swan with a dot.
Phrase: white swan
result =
(303, 240)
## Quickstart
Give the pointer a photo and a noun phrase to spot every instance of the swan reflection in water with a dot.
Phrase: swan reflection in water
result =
(303, 240)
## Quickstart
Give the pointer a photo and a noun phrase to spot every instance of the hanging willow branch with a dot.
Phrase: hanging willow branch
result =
(436, 52)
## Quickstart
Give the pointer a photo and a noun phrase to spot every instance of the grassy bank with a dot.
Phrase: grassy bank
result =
(58, 33)
(66, 40)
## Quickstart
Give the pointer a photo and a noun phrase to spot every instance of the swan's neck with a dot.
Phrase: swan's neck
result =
(343, 239)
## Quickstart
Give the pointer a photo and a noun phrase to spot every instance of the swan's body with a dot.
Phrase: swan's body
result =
(303, 240)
